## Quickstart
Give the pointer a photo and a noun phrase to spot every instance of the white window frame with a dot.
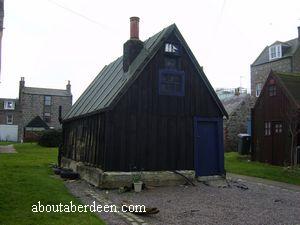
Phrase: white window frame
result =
(275, 52)
(258, 88)
(9, 121)
(278, 128)
(268, 128)
(6, 105)
(48, 100)
(171, 48)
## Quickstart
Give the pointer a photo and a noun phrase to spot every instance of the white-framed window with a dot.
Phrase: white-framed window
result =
(278, 128)
(172, 48)
(47, 100)
(275, 52)
(9, 119)
(10, 105)
(267, 128)
(258, 88)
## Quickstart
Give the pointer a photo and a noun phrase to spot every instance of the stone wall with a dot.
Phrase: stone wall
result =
(260, 73)
(33, 105)
(111, 180)
(296, 61)
(237, 122)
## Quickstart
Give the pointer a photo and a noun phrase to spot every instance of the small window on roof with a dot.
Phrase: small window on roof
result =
(172, 48)
(275, 52)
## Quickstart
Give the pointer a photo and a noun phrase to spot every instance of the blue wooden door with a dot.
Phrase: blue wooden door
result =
(209, 153)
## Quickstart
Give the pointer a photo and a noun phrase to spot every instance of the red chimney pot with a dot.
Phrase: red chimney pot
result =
(134, 27)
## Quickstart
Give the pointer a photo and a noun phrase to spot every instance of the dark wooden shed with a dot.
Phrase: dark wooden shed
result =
(153, 109)
(275, 119)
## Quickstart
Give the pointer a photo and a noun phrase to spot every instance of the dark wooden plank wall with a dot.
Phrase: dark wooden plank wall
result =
(84, 140)
(273, 108)
(154, 132)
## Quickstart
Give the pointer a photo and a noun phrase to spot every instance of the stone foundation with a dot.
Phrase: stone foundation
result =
(110, 180)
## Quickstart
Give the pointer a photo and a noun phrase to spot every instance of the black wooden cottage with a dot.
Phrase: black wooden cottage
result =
(276, 118)
(153, 108)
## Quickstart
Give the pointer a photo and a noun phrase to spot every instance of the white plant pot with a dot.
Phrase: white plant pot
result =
(138, 186)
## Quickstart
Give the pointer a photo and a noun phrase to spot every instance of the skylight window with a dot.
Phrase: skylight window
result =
(275, 52)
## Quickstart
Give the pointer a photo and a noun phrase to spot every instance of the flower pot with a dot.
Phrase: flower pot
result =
(138, 186)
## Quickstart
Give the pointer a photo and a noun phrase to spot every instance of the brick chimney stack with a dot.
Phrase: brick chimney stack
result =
(133, 46)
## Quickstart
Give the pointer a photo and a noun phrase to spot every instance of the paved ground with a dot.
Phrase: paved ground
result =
(7, 149)
(242, 202)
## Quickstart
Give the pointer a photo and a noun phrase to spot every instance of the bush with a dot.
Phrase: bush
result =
(51, 138)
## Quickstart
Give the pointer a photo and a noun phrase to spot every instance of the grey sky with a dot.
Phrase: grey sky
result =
(52, 41)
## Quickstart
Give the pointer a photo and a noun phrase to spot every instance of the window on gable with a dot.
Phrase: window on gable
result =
(10, 105)
(47, 100)
(272, 90)
(275, 52)
(258, 89)
(172, 48)
(47, 117)
(9, 119)
(171, 82)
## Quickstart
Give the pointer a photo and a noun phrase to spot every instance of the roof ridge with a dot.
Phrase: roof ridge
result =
(47, 88)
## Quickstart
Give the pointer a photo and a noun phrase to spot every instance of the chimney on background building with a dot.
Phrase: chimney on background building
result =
(21, 86)
(299, 33)
(134, 45)
(22, 82)
(68, 87)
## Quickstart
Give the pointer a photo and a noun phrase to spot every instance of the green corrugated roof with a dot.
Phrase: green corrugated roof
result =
(108, 83)
(291, 81)
(112, 81)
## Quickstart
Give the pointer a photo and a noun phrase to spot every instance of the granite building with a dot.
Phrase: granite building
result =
(35, 106)
(280, 57)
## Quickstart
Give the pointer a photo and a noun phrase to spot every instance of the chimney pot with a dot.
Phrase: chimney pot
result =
(134, 27)
(68, 87)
